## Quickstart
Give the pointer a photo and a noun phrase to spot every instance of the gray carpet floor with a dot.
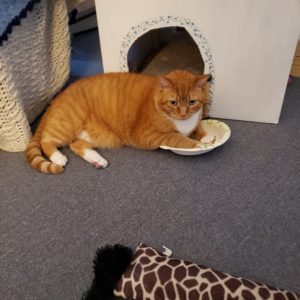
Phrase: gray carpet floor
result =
(236, 209)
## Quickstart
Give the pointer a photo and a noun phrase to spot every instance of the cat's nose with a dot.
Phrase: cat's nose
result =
(183, 111)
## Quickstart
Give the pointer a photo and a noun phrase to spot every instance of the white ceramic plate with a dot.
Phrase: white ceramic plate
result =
(218, 129)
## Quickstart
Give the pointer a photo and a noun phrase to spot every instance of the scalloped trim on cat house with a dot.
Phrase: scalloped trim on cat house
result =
(247, 46)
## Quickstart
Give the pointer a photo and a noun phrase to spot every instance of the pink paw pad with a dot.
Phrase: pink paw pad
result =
(97, 165)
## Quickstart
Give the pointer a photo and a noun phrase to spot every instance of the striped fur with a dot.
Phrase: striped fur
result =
(115, 109)
(35, 157)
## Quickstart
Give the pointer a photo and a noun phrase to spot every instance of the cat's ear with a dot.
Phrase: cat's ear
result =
(164, 83)
(202, 80)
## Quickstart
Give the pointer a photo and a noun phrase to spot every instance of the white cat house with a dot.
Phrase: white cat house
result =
(247, 45)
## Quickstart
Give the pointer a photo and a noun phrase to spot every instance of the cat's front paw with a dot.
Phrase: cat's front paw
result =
(208, 139)
(198, 145)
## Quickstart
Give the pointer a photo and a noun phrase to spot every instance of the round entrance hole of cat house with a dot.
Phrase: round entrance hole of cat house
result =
(159, 51)
(162, 44)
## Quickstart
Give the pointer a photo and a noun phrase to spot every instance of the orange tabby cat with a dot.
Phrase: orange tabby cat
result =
(115, 109)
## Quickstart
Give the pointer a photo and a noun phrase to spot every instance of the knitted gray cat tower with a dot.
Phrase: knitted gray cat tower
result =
(34, 64)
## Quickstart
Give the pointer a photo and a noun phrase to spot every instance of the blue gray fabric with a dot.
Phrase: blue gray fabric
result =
(11, 14)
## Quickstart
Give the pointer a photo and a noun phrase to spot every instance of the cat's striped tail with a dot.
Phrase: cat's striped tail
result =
(35, 156)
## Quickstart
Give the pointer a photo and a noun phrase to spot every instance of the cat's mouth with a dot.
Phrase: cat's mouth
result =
(181, 118)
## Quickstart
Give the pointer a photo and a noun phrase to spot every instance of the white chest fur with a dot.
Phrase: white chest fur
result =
(186, 127)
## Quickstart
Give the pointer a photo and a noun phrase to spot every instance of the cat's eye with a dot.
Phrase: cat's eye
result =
(173, 102)
(193, 102)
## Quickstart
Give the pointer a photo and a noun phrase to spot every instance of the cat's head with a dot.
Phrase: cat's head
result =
(180, 94)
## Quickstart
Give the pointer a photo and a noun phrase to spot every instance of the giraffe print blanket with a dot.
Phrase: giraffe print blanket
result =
(153, 275)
